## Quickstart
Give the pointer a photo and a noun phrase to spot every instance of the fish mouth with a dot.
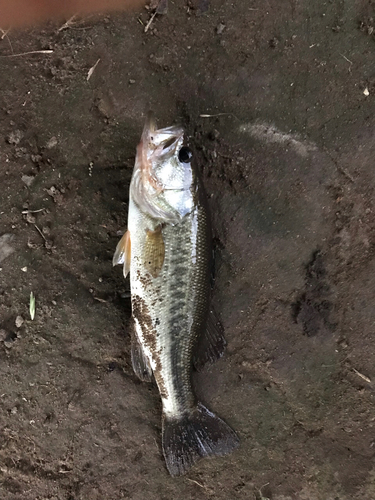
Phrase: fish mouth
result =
(163, 140)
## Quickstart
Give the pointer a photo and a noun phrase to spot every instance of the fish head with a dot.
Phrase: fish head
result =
(163, 180)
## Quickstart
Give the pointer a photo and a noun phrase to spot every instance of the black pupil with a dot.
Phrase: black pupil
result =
(185, 155)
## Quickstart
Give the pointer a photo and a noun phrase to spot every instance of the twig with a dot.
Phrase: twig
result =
(368, 380)
(150, 21)
(100, 300)
(40, 232)
(346, 173)
(30, 53)
(10, 43)
(92, 69)
(4, 33)
(261, 494)
(67, 24)
(346, 59)
(33, 211)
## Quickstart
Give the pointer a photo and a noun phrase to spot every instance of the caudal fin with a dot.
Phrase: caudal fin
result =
(197, 434)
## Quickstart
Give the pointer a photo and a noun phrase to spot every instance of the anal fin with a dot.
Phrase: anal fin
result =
(140, 362)
(211, 344)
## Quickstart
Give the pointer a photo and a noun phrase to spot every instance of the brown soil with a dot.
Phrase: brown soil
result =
(288, 164)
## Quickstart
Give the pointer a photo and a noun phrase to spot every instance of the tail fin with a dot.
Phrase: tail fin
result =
(197, 434)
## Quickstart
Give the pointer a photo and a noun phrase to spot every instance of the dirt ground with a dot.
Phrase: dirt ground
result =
(287, 158)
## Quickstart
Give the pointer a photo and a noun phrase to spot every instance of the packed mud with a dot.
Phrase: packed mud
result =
(278, 102)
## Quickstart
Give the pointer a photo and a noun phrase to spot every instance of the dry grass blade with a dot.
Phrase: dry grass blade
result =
(100, 300)
(196, 482)
(367, 379)
(92, 69)
(346, 59)
(31, 52)
(4, 33)
(150, 21)
(32, 306)
(32, 211)
(40, 232)
(68, 24)
(218, 114)
(161, 7)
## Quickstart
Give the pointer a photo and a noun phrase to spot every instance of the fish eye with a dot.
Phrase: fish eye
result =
(185, 155)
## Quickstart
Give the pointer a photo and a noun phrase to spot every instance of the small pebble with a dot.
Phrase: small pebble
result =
(51, 143)
(220, 29)
(52, 191)
(27, 179)
(15, 137)
(19, 321)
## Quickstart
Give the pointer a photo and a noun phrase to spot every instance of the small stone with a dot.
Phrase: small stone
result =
(24, 269)
(104, 108)
(19, 321)
(366, 92)
(15, 137)
(5, 248)
(36, 158)
(162, 7)
(51, 143)
(27, 179)
(220, 28)
(14, 410)
(52, 191)
(131, 81)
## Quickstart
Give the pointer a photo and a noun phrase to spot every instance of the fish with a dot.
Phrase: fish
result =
(167, 251)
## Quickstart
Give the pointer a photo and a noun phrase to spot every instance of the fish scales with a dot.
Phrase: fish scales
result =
(176, 301)
(167, 250)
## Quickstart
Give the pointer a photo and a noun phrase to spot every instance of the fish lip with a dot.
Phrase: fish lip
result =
(167, 139)
(164, 140)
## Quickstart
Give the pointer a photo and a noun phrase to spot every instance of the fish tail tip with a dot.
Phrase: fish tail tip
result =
(196, 435)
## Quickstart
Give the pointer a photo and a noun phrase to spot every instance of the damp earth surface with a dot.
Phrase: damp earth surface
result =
(278, 102)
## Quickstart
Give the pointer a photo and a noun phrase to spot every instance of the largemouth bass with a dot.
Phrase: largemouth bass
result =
(167, 250)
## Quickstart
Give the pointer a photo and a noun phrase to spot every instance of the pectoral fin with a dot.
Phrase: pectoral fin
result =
(154, 252)
(211, 344)
(123, 253)
(140, 362)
